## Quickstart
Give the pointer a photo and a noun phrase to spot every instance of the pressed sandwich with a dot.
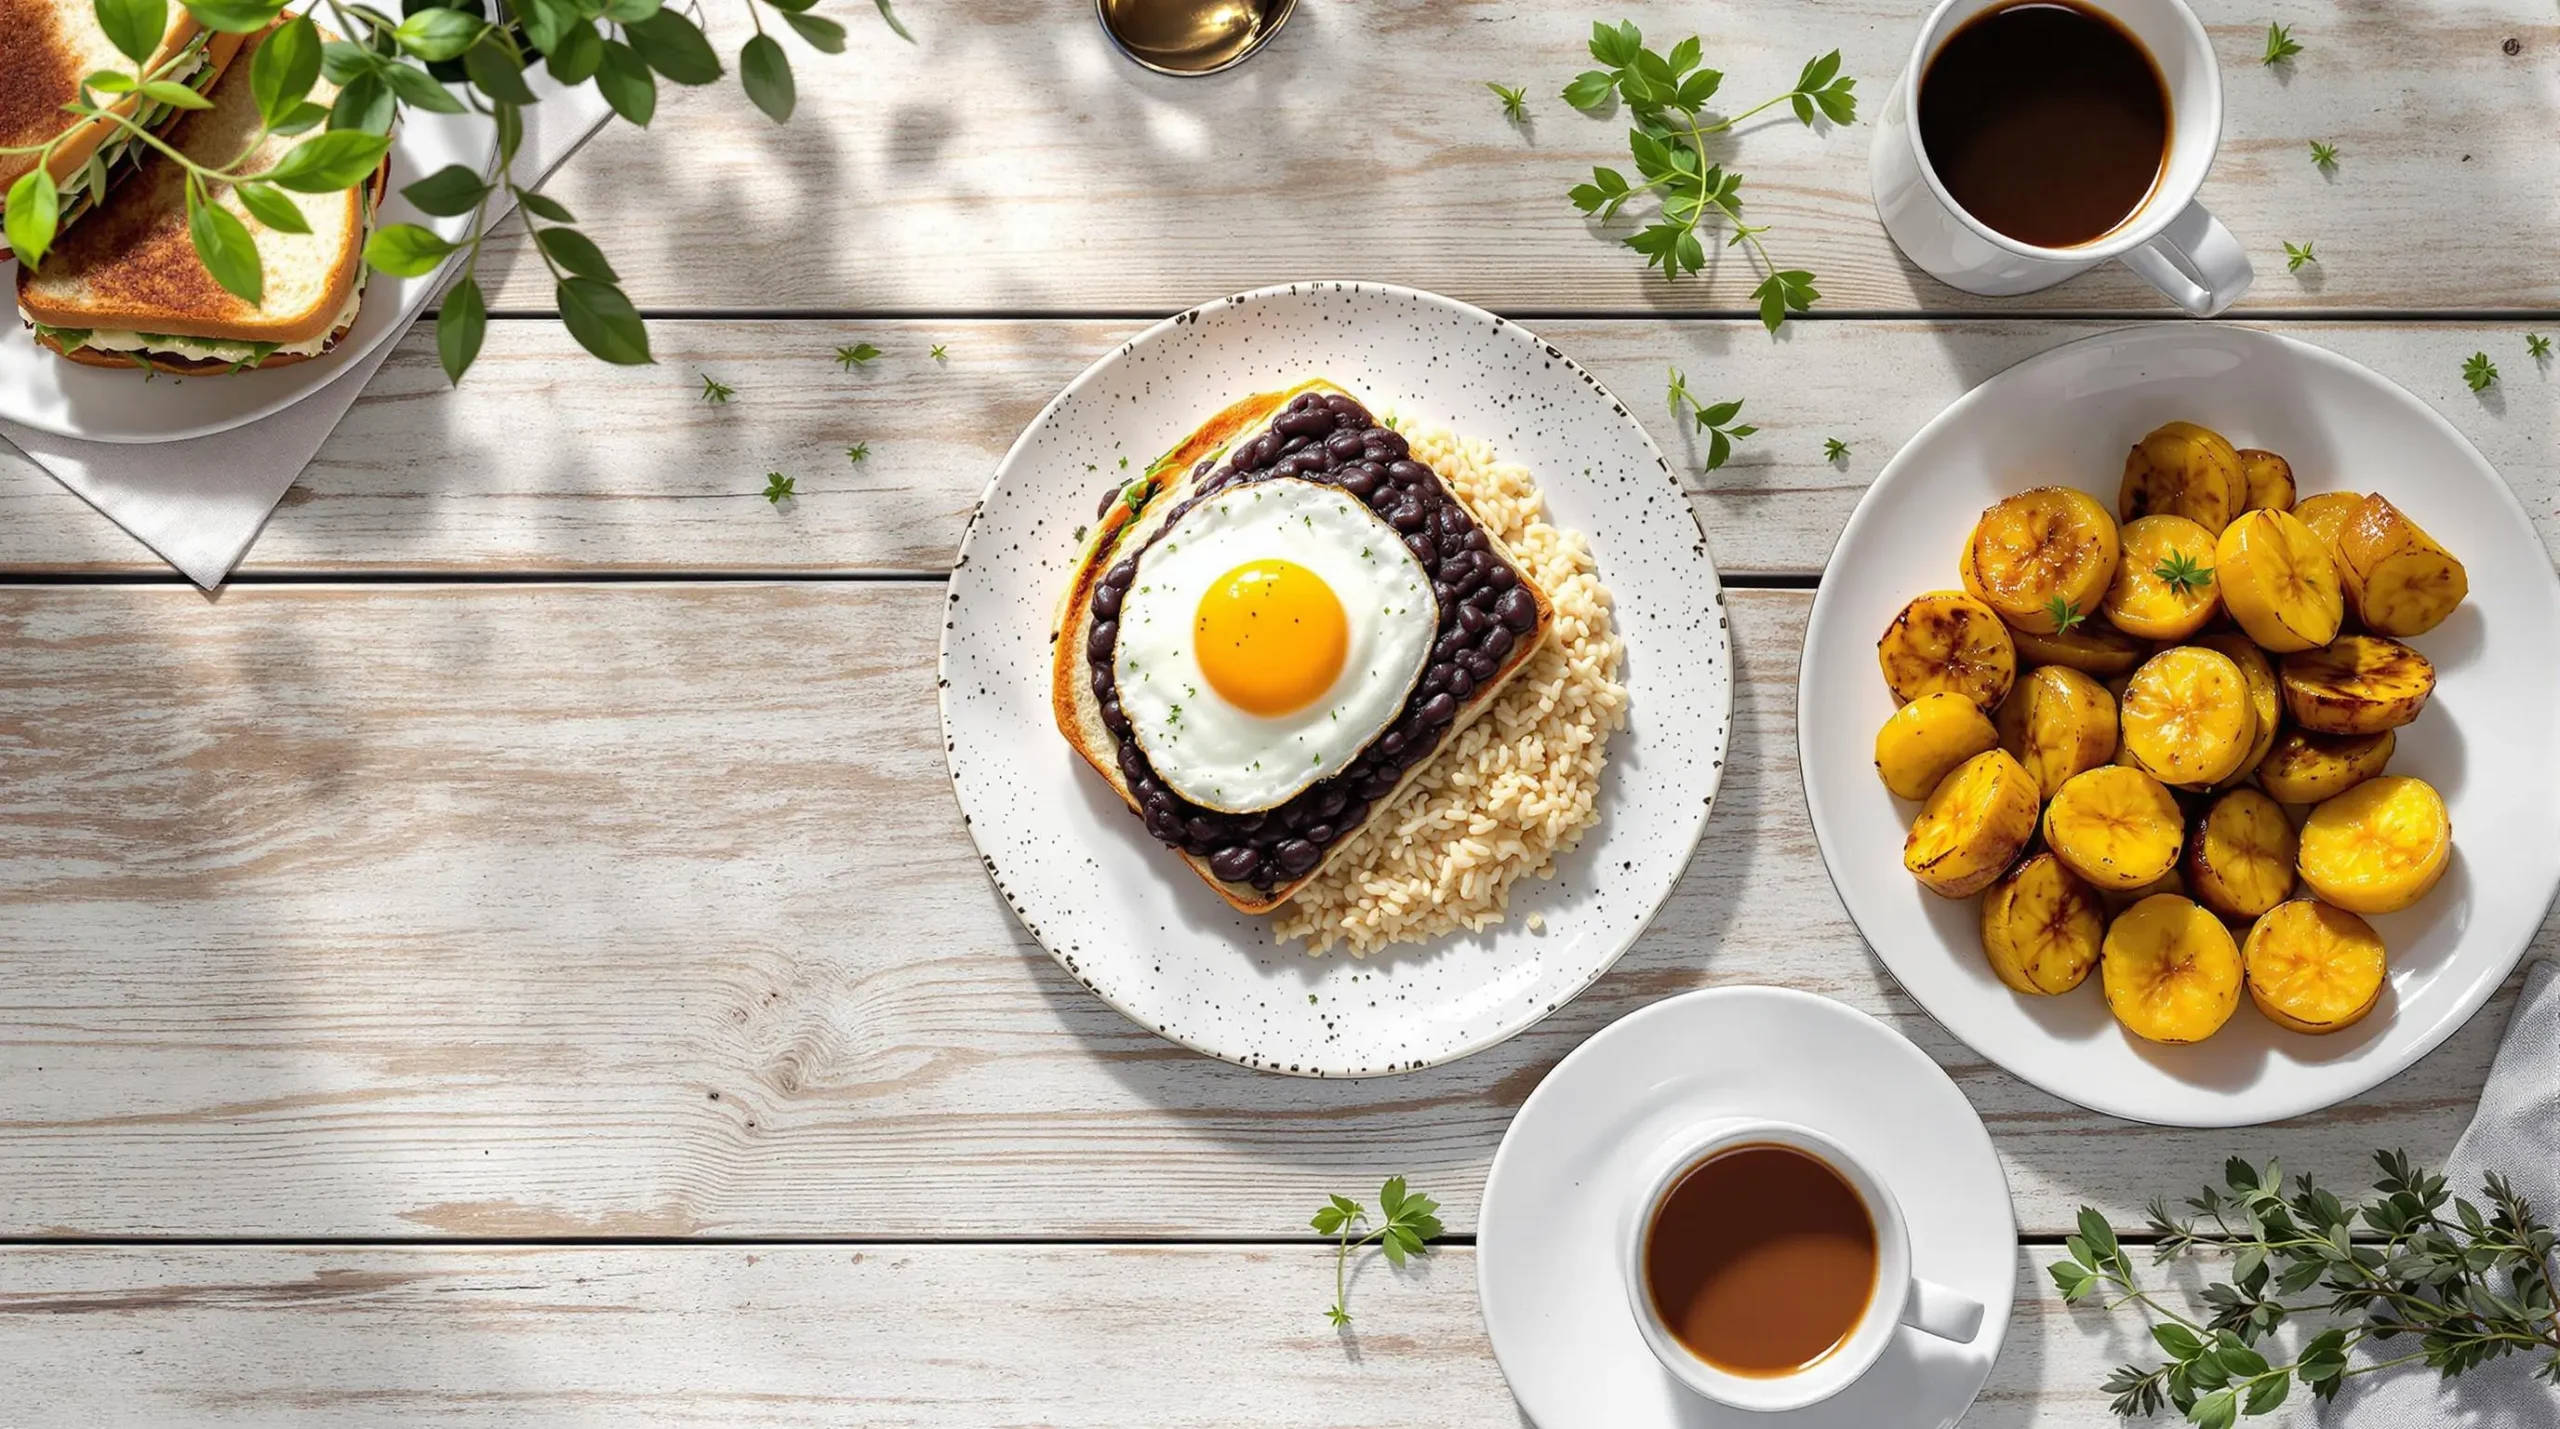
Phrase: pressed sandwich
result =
(1272, 631)
(46, 48)
(126, 289)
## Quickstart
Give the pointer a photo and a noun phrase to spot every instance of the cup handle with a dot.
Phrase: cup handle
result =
(2196, 262)
(1947, 1314)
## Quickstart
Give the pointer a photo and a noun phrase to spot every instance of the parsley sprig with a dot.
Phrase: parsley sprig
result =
(1515, 100)
(2281, 46)
(2065, 614)
(1668, 95)
(2467, 1283)
(1834, 449)
(1406, 1223)
(1714, 419)
(2479, 373)
(2537, 347)
(381, 66)
(855, 355)
(716, 392)
(2324, 157)
(2297, 255)
(777, 486)
(2182, 574)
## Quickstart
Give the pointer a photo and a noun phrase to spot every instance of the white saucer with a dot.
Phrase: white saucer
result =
(1547, 1269)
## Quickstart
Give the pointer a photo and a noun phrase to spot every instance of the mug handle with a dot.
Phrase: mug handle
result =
(2195, 261)
(1937, 1310)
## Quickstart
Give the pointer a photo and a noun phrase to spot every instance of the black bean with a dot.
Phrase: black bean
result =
(1151, 792)
(1390, 743)
(1097, 641)
(1471, 620)
(1106, 601)
(1133, 765)
(1516, 609)
(1483, 598)
(1353, 813)
(1444, 593)
(1461, 684)
(1386, 444)
(1480, 666)
(1407, 517)
(1447, 645)
(1112, 718)
(1454, 524)
(1235, 864)
(1247, 455)
(1434, 681)
(1165, 824)
(1501, 577)
(1360, 481)
(1477, 540)
(1298, 857)
(1422, 548)
(1119, 576)
(1320, 834)
(1438, 710)
(1304, 421)
(1104, 508)
(1330, 802)
(1202, 828)
(1344, 445)
(1496, 642)
(1379, 785)
(1410, 473)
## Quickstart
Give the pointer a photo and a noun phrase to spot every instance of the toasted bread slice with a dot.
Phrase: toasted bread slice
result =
(133, 268)
(1162, 490)
(47, 47)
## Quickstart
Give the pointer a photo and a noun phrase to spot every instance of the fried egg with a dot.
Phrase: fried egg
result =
(1268, 636)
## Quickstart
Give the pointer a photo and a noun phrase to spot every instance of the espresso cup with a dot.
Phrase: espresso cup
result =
(1898, 1299)
(2171, 241)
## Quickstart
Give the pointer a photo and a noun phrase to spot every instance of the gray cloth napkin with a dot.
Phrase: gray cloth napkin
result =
(200, 502)
(2516, 1133)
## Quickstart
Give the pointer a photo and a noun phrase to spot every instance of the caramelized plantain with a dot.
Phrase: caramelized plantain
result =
(1925, 739)
(2401, 581)
(2357, 684)
(2187, 716)
(2041, 927)
(1947, 640)
(2040, 552)
(2279, 581)
(2240, 855)
(2181, 469)
(2379, 847)
(2171, 971)
(2058, 722)
(2116, 827)
(1973, 825)
(2313, 968)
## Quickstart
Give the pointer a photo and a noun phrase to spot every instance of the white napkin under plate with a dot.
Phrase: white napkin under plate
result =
(200, 502)
(2516, 1133)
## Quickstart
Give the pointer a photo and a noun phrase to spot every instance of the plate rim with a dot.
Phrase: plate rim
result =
(1093, 371)
(2246, 1105)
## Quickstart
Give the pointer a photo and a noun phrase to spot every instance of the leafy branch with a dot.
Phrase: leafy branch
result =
(1669, 95)
(444, 57)
(1405, 1226)
(1715, 419)
(2467, 1285)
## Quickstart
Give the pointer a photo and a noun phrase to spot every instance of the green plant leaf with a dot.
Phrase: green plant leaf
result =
(108, 81)
(626, 83)
(579, 51)
(34, 216)
(438, 34)
(268, 205)
(1591, 90)
(576, 252)
(364, 106)
(496, 73)
(420, 90)
(603, 321)
(1616, 46)
(305, 117)
(2176, 1339)
(222, 241)
(766, 72)
(824, 35)
(404, 250)
(134, 27)
(674, 47)
(174, 94)
(235, 17)
(286, 65)
(544, 21)
(461, 322)
(890, 17)
(327, 162)
(630, 12)
(543, 205)
(451, 190)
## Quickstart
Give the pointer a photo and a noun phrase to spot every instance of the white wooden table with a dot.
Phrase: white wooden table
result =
(512, 957)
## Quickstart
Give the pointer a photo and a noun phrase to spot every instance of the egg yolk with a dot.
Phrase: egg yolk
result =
(1271, 637)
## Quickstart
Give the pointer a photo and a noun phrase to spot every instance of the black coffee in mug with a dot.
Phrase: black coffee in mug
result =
(2046, 121)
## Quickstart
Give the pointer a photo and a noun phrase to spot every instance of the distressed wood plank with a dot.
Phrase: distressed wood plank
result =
(633, 909)
(1011, 162)
(547, 462)
(1114, 1337)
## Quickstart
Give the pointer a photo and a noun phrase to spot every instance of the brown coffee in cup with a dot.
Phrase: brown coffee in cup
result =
(2046, 121)
(1761, 1260)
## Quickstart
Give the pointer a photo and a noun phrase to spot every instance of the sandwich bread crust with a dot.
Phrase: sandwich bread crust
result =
(50, 45)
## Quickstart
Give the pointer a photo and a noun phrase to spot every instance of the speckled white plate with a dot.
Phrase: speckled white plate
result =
(2487, 740)
(1118, 910)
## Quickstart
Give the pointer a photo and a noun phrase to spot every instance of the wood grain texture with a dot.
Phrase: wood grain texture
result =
(545, 461)
(1012, 162)
(933, 1337)
(637, 909)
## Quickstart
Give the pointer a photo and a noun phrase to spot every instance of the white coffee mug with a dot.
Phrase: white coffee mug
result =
(2171, 240)
(1899, 1298)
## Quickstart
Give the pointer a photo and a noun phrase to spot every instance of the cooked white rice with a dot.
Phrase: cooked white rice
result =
(1519, 786)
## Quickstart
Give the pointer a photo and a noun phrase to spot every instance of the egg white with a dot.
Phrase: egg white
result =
(1223, 757)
